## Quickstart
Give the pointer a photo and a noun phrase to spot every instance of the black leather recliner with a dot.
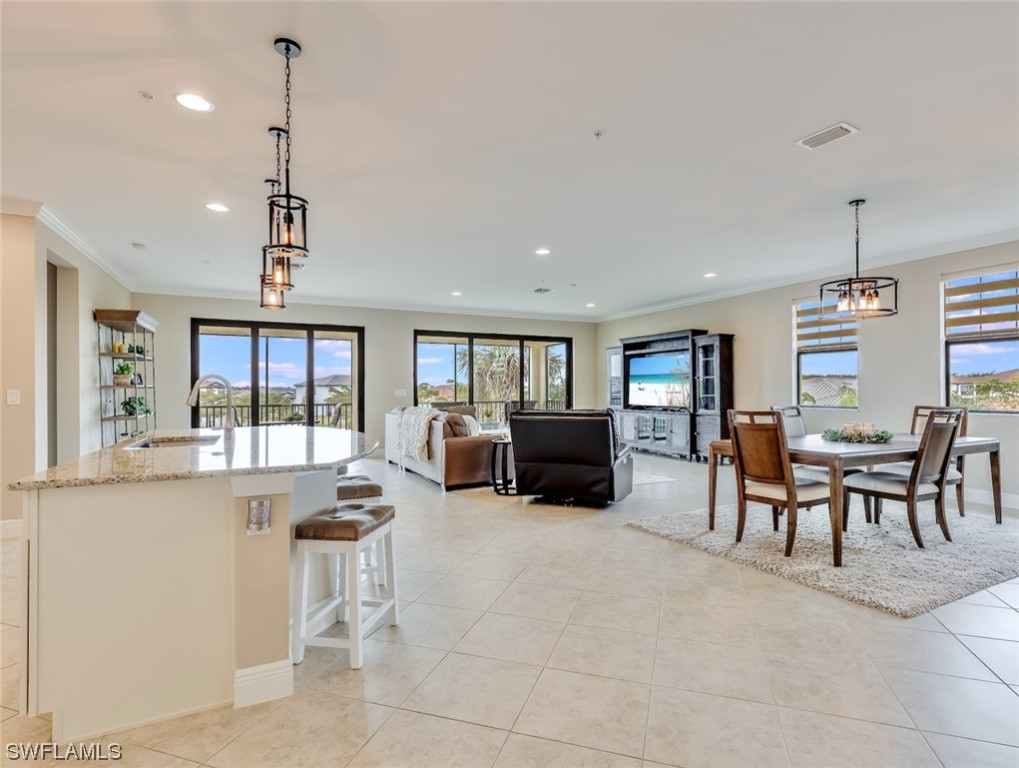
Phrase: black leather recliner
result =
(570, 455)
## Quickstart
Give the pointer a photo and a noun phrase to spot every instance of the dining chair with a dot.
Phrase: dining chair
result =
(764, 473)
(956, 469)
(795, 426)
(925, 482)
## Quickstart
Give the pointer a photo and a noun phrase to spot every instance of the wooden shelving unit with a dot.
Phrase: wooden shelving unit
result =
(126, 337)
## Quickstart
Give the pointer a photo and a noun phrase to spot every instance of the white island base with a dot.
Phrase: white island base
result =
(148, 600)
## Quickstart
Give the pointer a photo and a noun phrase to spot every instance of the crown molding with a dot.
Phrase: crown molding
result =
(333, 301)
(957, 246)
(47, 217)
(12, 207)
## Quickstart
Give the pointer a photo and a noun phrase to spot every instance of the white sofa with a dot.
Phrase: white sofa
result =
(452, 461)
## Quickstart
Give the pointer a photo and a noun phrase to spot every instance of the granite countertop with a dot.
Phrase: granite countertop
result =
(176, 456)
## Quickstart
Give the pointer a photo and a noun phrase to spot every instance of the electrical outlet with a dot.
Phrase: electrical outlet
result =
(400, 393)
(13, 397)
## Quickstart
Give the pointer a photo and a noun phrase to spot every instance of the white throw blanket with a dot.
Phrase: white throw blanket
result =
(415, 426)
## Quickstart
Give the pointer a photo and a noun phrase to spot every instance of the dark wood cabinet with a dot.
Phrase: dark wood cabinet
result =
(713, 380)
(692, 405)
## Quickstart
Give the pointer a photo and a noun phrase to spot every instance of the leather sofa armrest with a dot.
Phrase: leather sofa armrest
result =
(622, 450)
(468, 460)
(454, 445)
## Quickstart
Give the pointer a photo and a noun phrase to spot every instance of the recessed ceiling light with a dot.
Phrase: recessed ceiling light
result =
(543, 251)
(217, 207)
(194, 101)
(458, 293)
(589, 305)
(710, 274)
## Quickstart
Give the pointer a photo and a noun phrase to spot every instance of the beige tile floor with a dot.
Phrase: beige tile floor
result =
(546, 636)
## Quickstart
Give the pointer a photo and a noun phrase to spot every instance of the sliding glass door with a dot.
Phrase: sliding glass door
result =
(494, 372)
(282, 373)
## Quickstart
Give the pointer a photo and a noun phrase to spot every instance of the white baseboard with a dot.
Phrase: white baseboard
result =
(253, 685)
(10, 528)
(980, 496)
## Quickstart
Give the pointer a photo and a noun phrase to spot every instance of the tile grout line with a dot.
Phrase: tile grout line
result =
(654, 667)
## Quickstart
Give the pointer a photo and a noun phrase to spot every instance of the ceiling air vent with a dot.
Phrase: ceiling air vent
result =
(828, 135)
(542, 291)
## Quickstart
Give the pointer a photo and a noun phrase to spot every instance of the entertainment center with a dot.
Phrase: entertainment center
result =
(675, 390)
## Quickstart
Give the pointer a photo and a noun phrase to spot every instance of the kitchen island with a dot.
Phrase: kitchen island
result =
(144, 593)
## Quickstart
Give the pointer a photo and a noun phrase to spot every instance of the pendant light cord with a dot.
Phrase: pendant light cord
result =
(287, 99)
(857, 237)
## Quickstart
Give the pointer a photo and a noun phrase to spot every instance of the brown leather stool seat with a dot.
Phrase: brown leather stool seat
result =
(356, 487)
(346, 522)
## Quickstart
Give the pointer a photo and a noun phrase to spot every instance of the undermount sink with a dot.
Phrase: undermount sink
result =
(174, 442)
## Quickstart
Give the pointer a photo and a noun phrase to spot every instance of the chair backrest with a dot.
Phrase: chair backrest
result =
(921, 412)
(564, 437)
(792, 420)
(936, 447)
(759, 448)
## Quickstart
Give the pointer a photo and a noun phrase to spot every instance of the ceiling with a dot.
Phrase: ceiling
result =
(441, 144)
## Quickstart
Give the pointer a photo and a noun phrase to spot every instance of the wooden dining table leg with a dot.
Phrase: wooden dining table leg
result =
(996, 485)
(712, 480)
(835, 508)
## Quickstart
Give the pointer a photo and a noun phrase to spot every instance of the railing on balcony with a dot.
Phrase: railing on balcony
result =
(276, 413)
(493, 413)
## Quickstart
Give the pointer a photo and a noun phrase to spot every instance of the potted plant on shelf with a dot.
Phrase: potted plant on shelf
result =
(122, 374)
(135, 406)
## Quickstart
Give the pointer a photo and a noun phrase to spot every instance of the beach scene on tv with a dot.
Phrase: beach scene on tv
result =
(662, 380)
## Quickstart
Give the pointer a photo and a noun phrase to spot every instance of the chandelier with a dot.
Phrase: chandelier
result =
(860, 297)
(288, 213)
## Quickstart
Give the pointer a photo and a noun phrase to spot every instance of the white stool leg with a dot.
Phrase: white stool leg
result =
(381, 564)
(335, 584)
(354, 604)
(341, 586)
(387, 547)
(301, 617)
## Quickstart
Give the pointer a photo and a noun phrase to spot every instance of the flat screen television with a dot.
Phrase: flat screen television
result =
(659, 380)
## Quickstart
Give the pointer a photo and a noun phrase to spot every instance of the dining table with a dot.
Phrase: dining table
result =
(814, 450)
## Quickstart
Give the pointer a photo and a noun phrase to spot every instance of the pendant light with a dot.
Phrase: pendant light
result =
(275, 268)
(288, 213)
(860, 297)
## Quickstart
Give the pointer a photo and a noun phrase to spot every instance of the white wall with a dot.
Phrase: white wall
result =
(389, 347)
(83, 287)
(27, 247)
(900, 357)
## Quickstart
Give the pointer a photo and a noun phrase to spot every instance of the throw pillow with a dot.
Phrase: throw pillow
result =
(456, 423)
(473, 427)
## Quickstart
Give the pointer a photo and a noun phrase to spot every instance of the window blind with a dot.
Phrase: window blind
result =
(983, 307)
(815, 333)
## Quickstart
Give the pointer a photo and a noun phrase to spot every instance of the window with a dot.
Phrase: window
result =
(982, 342)
(496, 373)
(826, 360)
(270, 366)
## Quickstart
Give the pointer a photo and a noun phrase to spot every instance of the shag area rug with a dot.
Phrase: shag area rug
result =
(882, 566)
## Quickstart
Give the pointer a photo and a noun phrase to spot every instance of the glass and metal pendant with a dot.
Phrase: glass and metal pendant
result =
(860, 297)
(288, 213)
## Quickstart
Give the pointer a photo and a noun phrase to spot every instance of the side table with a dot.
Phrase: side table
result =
(501, 483)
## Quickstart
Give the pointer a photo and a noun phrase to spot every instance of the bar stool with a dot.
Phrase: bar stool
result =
(350, 487)
(343, 534)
